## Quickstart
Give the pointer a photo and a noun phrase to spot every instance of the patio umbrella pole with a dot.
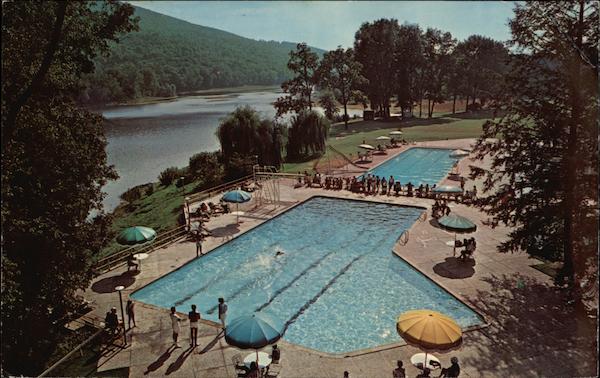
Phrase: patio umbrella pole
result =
(454, 247)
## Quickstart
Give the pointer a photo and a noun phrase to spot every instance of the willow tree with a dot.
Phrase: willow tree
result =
(246, 139)
(54, 165)
(543, 180)
(306, 135)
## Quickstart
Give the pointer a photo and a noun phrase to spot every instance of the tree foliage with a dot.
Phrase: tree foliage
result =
(303, 64)
(375, 49)
(340, 72)
(246, 139)
(480, 65)
(437, 50)
(543, 180)
(328, 103)
(306, 135)
(54, 165)
(410, 67)
(168, 56)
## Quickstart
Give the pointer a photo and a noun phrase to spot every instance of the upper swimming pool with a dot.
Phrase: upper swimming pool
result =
(337, 288)
(417, 165)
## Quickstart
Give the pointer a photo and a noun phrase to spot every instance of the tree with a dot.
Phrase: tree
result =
(54, 165)
(306, 136)
(482, 66)
(340, 72)
(374, 46)
(246, 139)
(303, 63)
(437, 47)
(409, 53)
(327, 102)
(206, 166)
(543, 180)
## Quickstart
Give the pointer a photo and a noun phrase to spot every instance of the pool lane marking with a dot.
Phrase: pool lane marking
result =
(249, 285)
(330, 283)
(218, 278)
(301, 274)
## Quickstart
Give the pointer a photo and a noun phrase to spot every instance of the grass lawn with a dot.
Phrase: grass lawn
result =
(160, 211)
(444, 126)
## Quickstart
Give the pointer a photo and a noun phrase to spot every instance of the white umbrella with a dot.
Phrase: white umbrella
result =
(396, 132)
(383, 137)
(459, 153)
(366, 146)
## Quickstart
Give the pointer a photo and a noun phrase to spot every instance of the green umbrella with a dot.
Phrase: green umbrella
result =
(456, 223)
(136, 235)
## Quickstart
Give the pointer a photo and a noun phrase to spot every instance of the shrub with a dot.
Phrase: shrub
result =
(169, 175)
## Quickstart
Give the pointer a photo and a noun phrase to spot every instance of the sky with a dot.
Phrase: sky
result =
(328, 24)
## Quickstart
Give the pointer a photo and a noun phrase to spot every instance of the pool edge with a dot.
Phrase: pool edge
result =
(357, 352)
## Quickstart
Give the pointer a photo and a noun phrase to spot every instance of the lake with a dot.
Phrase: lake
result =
(143, 140)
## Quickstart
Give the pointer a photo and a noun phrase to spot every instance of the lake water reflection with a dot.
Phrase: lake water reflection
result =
(143, 140)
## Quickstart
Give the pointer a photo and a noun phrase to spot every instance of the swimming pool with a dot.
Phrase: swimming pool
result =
(337, 287)
(417, 165)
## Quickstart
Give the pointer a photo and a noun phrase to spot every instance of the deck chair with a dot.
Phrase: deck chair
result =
(273, 371)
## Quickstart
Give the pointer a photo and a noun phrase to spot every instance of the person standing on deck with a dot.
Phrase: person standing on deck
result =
(194, 316)
(222, 311)
(130, 313)
(175, 319)
(198, 244)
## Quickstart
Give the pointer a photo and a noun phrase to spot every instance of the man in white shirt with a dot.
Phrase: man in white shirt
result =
(175, 319)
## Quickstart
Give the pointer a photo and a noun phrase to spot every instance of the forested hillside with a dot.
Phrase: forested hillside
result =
(169, 56)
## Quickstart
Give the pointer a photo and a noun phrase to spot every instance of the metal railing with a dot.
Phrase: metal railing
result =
(72, 352)
(403, 239)
(119, 258)
(200, 196)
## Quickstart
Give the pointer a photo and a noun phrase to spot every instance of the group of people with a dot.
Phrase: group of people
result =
(111, 320)
(439, 209)
(450, 372)
(206, 210)
(194, 317)
(254, 371)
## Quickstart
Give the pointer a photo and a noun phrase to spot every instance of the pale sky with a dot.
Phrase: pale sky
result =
(327, 24)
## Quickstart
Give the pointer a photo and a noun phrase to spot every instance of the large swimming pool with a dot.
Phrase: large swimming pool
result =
(337, 288)
(417, 165)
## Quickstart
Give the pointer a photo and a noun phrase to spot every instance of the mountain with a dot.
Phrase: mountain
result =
(169, 56)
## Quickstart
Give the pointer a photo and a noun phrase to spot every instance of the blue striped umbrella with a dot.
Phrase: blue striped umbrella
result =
(456, 223)
(237, 197)
(136, 235)
(253, 332)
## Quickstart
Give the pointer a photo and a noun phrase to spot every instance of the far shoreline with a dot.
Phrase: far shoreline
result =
(150, 100)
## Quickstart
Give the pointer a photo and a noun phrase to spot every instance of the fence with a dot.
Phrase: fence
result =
(119, 258)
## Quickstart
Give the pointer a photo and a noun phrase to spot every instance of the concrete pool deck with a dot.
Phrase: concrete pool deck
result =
(531, 332)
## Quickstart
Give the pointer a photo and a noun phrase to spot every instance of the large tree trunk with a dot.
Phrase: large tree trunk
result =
(570, 186)
(428, 108)
(345, 115)
(454, 104)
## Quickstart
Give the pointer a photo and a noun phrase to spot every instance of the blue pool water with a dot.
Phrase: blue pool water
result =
(337, 287)
(417, 165)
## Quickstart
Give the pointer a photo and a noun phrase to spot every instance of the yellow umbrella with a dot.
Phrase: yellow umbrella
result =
(429, 330)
